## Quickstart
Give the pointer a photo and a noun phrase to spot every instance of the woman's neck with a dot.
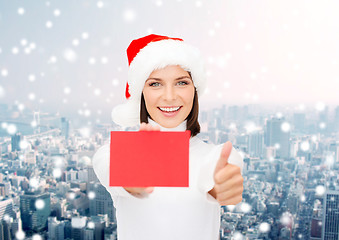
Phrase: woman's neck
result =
(181, 127)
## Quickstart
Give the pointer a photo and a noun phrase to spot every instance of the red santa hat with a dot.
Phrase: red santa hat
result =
(147, 54)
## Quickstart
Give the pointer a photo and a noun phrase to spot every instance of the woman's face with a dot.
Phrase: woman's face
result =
(169, 94)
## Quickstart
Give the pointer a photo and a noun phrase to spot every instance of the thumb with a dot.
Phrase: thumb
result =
(224, 155)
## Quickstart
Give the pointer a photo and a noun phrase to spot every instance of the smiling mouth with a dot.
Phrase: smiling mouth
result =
(169, 109)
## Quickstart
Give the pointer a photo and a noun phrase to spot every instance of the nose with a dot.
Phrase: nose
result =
(170, 93)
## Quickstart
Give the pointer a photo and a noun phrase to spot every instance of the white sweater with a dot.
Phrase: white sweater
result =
(170, 213)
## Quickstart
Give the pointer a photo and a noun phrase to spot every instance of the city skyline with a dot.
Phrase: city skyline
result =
(291, 161)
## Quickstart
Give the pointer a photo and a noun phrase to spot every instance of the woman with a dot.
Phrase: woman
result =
(166, 76)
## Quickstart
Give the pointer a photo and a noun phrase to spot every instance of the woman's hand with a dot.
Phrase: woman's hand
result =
(137, 190)
(228, 186)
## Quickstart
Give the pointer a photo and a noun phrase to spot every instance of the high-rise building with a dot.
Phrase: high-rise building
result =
(78, 227)
(6, 208)
(15, 142)
(91, 174)
(256, 144)
(336, 119)
(65, 127)
(35, 209)
(330, 225)
(55, 229)
(275, 136)
(102, 202)
(5, 230)
(4, 189)
(299, 121)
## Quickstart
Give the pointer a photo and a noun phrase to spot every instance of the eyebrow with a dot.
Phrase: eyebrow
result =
(159, 79)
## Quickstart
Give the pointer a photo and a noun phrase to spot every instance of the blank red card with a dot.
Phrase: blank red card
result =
(149, 158)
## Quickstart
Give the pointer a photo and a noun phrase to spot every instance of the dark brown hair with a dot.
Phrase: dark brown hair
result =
(192, 118)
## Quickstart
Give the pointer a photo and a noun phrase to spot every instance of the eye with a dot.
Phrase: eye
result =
(154, 84)
(183, 83)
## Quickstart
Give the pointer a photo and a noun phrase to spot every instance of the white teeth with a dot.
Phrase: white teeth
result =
(169, 109)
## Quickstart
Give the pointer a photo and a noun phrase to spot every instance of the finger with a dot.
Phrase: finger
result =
(232, 201)
(224, 196)
(223, 159)
(227, 173)
(232, 183)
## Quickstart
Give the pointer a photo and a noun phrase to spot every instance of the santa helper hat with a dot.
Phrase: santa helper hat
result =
(147, 54)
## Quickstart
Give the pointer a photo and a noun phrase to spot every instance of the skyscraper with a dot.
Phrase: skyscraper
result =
(6, 208)
(275, 136)
(15, 141)
(102, 202)
(35, 209)
(256, 144)
(55, 229)
(330, 227)
(65, 127)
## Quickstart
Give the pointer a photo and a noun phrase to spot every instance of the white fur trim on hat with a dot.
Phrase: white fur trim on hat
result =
(157, 55)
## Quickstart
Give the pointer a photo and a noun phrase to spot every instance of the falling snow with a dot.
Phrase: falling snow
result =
(2, 92)
(264, 227)
(21, 11)
(20, 235)
(39, 204)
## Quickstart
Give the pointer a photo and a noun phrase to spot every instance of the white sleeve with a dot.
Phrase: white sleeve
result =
(206, 175)
(101, 166)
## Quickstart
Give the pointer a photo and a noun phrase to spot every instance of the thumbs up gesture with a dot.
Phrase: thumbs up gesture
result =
(228, 186)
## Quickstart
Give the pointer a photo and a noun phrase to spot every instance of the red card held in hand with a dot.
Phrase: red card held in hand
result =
(149, 159)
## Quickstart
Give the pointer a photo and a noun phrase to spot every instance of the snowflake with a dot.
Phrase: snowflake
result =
(91, 225)
(36, 237)
(67, 90)
(91, 195)
(49, 24)
(264, 227)
(85, 35)
(100, 4)
(285, 127)
(4, 72)
(92, 61)
(104, 60)
(34, 182)
(57, 12)
(23, 42)
(129, 15)
(70, 55)
(286, 219)
(15, 50)
(75, 42)
(23, 144)
(320, 106)
(39, 204)
(21, 11)
(305, 146)
(2, 92)
(245, 207)
(115, 82)
(11, 129)
(238, 236)
(20, 234)
(320, 190)
(57, 173)
(31, 77)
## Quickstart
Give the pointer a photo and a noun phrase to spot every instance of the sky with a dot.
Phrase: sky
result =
(69, 56)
